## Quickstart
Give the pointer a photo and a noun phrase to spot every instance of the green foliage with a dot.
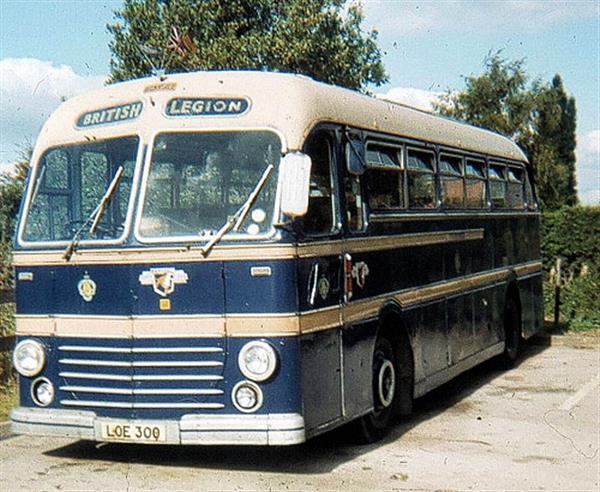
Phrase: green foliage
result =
(540, 117)
(9, 398)
(11, 191)
(319, 38)
(571, 234)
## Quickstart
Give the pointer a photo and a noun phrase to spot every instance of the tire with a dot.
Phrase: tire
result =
(512, 333)
(373, 426)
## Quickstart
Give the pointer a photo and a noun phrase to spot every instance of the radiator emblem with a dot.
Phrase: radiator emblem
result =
(163, 280)
(360, 272)
(86, 288)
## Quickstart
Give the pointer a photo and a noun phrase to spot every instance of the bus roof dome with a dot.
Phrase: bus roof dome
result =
(291, 104)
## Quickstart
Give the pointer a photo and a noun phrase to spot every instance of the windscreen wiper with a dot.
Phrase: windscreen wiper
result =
(95, 216)
(236, 220)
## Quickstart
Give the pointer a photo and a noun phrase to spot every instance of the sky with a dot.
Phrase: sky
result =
(51, 50)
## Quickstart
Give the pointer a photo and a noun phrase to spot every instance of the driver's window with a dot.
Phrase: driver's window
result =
(320, 217)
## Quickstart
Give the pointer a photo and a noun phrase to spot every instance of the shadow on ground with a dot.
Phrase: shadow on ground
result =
(319, 455)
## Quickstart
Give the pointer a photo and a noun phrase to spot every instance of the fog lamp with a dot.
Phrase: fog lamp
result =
(247, 397)
(42, 392)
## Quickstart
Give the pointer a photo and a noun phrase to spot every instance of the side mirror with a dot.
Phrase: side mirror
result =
(355, 157)
(294, 181)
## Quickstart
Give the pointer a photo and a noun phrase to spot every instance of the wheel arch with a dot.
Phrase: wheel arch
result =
(392, 324)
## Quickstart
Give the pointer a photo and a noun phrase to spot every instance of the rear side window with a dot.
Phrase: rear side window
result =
(514, 188)
(384, 177)
(475, 194)
(420, 179)
(451, 181)
(497, 175)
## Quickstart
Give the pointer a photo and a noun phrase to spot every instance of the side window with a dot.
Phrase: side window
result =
(529, 196)
(421, 179)
(514, 188)
(475, 184)
(384, 177)
(355, 209)
(320, 217)
(451, 180)
(498, 186)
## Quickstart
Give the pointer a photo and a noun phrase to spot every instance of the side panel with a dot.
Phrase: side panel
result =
(321, 378)
(530, 292)
(358, 343)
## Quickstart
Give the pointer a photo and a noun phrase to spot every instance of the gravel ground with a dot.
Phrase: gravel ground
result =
(534, 427)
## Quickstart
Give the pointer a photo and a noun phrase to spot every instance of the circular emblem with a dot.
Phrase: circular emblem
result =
(86, 288)
(323, 287)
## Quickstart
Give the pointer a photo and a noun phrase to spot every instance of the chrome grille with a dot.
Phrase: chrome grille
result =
(148, 377)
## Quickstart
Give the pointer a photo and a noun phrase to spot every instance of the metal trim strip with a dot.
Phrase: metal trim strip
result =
(107, 404)
(111, 363)
(141, 350)
(137, 391)
(149, 377)
(399, 217)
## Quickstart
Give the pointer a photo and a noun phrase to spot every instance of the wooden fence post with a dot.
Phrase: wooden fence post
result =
(557, 282)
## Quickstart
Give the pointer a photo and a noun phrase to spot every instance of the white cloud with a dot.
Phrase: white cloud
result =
(588, 167)
(410, 96)
(30, 90)
(409, 16)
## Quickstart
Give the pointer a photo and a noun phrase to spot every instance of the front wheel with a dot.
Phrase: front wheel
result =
(373, 426)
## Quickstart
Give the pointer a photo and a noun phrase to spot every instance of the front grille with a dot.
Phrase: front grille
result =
(151, 374)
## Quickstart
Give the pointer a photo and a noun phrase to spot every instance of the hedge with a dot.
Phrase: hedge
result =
(573, 234)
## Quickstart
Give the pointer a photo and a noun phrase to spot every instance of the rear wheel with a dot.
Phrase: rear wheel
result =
(374, 425)
(512, 332)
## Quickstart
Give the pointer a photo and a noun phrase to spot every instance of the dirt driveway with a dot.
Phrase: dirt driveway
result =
(532, 428)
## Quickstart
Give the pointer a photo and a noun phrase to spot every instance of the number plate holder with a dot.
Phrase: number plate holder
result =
(134, 431)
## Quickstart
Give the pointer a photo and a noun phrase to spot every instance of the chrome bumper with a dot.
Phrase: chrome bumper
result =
(270, 429)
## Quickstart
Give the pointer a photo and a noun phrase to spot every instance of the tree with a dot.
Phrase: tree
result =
(11, 192)
(539, 116)
(309, 37)
(556, 125)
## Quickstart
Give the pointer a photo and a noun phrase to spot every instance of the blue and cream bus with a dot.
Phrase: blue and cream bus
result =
(256, 258)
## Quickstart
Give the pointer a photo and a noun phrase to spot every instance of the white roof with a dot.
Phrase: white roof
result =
(291, 104)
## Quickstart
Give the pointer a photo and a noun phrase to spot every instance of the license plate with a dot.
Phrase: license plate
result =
(133, 432)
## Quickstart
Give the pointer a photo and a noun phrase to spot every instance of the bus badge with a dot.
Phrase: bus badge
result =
(86, 288)
(163, 280)
(324, 287)
(360, 271)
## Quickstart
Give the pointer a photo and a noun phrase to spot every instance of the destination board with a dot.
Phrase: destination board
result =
(113, 114)
(207, 106)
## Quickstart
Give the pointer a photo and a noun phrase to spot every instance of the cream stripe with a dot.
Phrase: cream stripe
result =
(529, 268)
(382, 243)
(254, 252)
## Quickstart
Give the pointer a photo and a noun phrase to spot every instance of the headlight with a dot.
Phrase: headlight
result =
(247, 397)
(42, 392)
(29, 358)
(257, 361)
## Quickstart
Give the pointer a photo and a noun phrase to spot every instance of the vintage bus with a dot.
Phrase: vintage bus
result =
(257, 258)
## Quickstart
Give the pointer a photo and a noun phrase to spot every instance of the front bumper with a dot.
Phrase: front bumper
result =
(271, 429)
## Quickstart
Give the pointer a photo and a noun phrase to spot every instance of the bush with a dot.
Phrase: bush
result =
(571, 233)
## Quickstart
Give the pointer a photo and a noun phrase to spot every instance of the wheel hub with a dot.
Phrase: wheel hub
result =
(386, 383)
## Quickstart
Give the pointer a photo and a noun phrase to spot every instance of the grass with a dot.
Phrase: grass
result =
(9, 398)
